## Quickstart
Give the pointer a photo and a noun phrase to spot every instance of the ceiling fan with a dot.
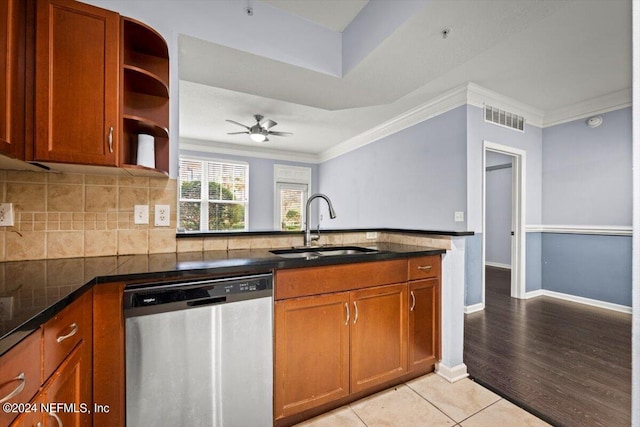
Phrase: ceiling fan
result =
(260, 130)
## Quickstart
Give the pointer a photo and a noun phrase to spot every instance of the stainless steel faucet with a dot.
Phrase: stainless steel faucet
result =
(308, 237)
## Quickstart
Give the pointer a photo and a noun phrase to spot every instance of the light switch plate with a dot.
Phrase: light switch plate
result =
(162, 213)
(371, 235)
(6, 214)
(458, 216)
(141, 214)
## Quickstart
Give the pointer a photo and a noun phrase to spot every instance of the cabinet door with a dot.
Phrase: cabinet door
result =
(77, 94)
(424, 324)
(30, 419)
(378, 335)
(70, 385)
(12, 81)
(312, 352)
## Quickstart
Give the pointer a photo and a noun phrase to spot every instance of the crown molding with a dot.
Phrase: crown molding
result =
(449, 100)
(599, 105)
(213, 147)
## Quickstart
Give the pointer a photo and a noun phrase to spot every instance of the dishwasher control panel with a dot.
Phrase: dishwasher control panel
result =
(170, 296)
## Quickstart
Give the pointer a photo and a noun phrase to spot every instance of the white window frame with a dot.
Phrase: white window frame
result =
(204, 191)
(290, 186)
(287, 176)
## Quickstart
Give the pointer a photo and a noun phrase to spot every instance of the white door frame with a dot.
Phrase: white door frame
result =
(518, 204)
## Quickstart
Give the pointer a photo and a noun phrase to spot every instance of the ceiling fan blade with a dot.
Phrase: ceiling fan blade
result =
(236, 123)
(267, 123)
(280, 133)
(237, 133)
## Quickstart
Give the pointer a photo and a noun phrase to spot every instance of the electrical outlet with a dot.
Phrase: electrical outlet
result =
(372, 235)
(458, 216)
(6, 214)
(141, 214)
(162, 215)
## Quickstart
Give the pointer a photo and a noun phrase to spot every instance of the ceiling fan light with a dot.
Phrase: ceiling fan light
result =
(257, 137)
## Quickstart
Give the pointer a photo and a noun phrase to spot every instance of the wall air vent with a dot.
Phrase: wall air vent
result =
(503, 118)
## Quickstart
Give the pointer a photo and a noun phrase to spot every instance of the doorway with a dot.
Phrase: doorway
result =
(516, 161)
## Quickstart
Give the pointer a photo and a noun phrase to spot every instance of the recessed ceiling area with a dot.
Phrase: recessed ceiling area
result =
(548, 54)
(335, 14)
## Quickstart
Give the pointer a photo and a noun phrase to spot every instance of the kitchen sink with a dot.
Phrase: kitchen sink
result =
(312, 253)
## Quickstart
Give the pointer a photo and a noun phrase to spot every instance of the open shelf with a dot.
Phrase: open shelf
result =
(145, 96)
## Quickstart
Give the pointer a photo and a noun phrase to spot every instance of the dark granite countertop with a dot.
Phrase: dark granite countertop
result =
(31, 292)
(189, 234)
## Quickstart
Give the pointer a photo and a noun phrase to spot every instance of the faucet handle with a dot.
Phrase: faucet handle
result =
(316, 237)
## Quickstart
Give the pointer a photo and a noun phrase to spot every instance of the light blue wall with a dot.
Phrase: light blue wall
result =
(498, 210)
(261, 185)
(596, 267)
(586, 179)
(586, 174)
(533, 262)
(414, 178)
(473, 265)
(530, 141)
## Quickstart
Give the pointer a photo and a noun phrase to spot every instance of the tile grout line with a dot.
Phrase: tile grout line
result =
(483, 409)
(432, 404)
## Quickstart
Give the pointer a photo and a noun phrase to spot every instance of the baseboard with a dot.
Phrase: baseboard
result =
(498, 265)
(534, 294)
(456, 373)
(468, 309)
(580, 300)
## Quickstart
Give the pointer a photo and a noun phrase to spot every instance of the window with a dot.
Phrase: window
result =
(213, 195)
(291, 200)
(292, 184)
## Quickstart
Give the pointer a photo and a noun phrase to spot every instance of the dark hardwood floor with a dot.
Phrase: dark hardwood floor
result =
(568, 363)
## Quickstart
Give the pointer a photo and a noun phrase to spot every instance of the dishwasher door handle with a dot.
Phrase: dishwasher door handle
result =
(207, 301)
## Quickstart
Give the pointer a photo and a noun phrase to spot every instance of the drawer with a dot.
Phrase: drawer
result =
(62, 333)
(300, 282)
(424, 267)
(20, 373)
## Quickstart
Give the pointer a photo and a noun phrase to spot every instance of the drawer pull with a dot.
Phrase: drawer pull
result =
(17, 390)
(413, 301)
(424, 267)
(110, 139)
(57, 418)
(355, 317)
(346, 307)
(74, 330)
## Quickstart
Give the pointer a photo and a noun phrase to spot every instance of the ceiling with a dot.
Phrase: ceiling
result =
(547, 54)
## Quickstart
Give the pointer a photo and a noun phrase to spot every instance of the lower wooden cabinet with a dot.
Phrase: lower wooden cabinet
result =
(378, 335)
(311, 353)
(424, 324)
(62, 350)
(332, 346)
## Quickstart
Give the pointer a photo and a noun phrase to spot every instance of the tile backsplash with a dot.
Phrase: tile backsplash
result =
(64, 215)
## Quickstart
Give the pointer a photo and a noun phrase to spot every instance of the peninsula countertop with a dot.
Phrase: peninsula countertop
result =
(31, 292)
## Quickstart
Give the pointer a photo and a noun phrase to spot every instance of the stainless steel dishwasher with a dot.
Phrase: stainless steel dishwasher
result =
(200, 353)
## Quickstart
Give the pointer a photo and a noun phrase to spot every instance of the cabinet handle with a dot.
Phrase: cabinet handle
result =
(74, 330)
(413, 301)
(355, 317)
(17, 390)
(346, 307)
(110, 139)
(424, 267)
(57, 418)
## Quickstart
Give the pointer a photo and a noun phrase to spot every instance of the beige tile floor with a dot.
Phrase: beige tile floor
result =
(429, 401)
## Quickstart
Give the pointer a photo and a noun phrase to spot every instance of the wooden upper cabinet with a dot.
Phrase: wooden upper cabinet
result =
(77, 73)
(13, 79)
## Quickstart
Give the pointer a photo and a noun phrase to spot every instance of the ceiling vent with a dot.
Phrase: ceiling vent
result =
(503, 118)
